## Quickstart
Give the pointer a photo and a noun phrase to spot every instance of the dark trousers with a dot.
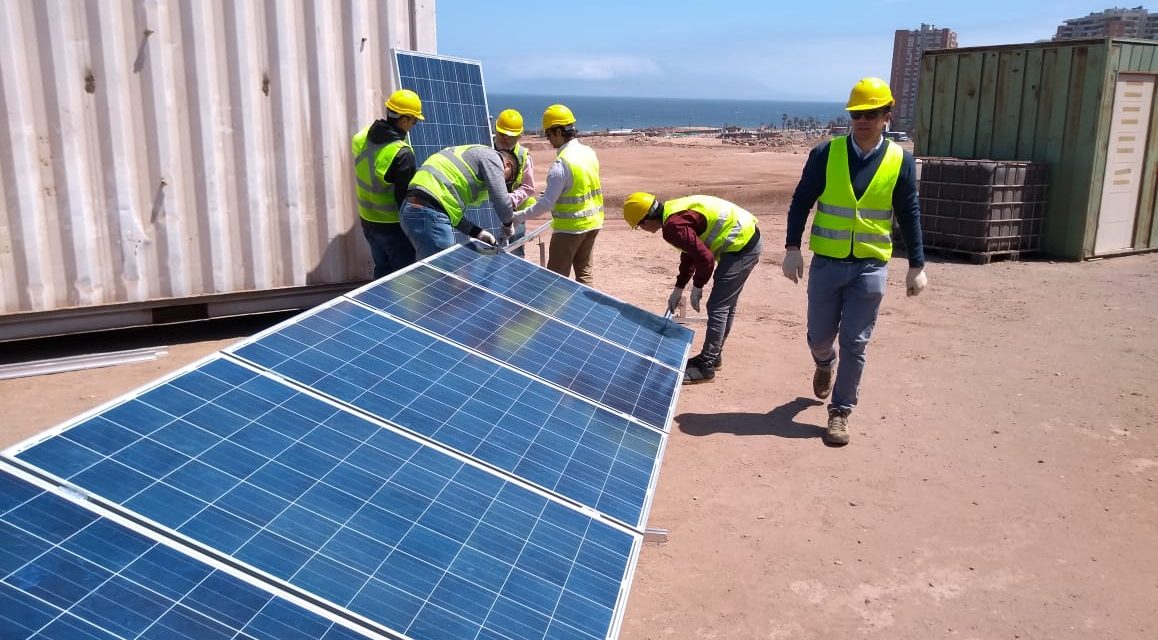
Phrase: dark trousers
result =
(389, 246)
(727, 283)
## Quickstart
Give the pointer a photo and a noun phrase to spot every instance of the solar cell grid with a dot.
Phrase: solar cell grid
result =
(572, 303)
(469, 403)
(409, 537)
(67, 572)
(455, 110)
(529, 341)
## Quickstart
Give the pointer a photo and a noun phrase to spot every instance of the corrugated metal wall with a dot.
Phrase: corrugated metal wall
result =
(173, 149)
(1046, 102)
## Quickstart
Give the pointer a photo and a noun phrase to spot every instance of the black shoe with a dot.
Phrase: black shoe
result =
(695, 374)
(700, 360)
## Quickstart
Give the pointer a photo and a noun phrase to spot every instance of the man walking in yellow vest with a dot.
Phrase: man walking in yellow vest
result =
(858, 182)
(573, 195)
(383, 166)
(706, 230)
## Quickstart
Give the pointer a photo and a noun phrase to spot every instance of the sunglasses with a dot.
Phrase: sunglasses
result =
(872, 114)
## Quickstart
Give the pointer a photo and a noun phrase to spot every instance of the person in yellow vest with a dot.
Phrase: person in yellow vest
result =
(706, 230)
(573, 196)
(383, 165)
(858, 183)
(508, 132)
(445, 186)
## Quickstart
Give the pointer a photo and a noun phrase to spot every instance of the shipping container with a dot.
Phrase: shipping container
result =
(167, 160)
(1085, 108)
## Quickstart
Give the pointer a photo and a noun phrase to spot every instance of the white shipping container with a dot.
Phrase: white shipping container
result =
(173, 159)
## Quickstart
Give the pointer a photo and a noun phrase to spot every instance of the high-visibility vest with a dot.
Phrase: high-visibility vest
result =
(729, 227)
(447, 178)
(521, 154)
(371, 162)
(844, 225)
(580, 206)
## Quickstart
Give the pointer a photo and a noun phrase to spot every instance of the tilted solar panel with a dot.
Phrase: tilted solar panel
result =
(469, 403)
(329, 503)
(529, 341)
(69, 572)
(454, 106)
(570, 302)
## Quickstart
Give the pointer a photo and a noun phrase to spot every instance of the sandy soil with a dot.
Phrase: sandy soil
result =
(1000, 483)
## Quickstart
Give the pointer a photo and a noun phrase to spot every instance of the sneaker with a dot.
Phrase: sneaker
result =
(694, 374)
(822, 382)
(837, 432)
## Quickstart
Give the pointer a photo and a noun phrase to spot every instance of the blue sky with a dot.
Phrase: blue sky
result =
(759, 50)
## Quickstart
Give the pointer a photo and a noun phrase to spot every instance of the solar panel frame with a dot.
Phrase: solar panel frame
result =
(125, 543)
(115, 503)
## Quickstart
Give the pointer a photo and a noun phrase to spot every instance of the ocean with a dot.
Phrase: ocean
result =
(599, 114)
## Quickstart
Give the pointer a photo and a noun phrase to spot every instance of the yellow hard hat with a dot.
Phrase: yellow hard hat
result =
(636, 207)
(510, 123)
(869, 93)
(557, 115)
(405, 102)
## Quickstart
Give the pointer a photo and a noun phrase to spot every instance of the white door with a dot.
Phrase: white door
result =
(1131, 121)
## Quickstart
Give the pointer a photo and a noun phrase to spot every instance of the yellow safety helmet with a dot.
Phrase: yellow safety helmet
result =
(405, 102)
(557, 115)
(636, 207)
(510, 123)
(869, 93)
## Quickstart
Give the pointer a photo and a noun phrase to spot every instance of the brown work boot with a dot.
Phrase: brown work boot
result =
(837, 432)
(822, 382)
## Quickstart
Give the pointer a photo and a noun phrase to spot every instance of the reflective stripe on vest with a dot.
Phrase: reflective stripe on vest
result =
(729, 227)
(580, 206)
(846, 226)
(447, 178)
(371, 162)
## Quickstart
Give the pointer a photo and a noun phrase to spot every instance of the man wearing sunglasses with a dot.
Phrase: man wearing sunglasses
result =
(858, 183)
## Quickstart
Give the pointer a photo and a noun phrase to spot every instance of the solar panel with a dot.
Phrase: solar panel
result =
(570, 302)
(69, 572)
(430, 459)
(372, 521)
(529, 341)
(454, 106)
(462, 400)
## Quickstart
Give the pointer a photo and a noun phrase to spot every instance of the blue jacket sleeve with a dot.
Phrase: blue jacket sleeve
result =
(809, 188)
(908, 211)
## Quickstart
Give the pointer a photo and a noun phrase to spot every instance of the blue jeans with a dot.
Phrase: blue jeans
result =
(389, 246)
(429, 229)
(843, 300)
(727, 283)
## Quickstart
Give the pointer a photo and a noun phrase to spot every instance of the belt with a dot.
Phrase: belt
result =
(420, 199)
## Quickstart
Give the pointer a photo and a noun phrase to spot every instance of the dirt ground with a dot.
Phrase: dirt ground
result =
(1001, 482)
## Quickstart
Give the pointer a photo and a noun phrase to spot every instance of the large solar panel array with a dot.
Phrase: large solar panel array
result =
(454, 106)
(371, 468)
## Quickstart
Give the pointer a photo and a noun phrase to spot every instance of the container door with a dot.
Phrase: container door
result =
(1127, 151)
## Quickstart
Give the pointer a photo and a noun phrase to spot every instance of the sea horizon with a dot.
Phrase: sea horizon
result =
(604, 113)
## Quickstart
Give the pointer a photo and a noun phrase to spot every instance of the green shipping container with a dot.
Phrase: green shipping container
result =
(1085, 108)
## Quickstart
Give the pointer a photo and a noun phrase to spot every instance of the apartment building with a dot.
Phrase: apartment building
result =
(1113, 23)
(908, 45)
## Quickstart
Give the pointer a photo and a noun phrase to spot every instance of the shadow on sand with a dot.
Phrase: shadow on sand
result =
(780, 421)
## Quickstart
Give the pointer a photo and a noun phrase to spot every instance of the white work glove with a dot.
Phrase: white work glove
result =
(793, 265)
(508, 231)
(519, 217)
(487, 237)
(915, 281)
(697, 294)
(673, 300)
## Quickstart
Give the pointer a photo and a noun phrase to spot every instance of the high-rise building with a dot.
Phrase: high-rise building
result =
(907, 49)
(1113, 23)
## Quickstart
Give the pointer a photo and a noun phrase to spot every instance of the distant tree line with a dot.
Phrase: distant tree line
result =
(811, 122)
